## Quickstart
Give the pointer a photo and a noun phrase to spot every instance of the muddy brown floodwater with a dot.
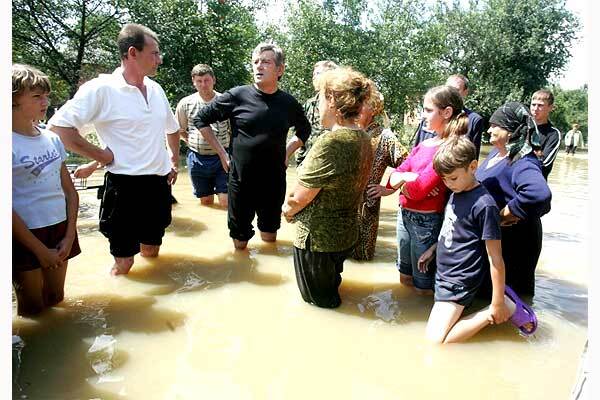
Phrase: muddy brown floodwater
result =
(205, 322)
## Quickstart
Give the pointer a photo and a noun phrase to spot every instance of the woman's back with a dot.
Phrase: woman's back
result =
(340, 164)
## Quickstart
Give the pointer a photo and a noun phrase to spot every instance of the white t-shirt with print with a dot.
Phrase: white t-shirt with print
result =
(133, 127)
(37, 194)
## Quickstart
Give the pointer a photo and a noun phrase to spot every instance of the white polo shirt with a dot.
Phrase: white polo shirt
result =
(134, 129)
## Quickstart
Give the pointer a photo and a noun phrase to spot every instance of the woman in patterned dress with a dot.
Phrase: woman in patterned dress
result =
(388, 152)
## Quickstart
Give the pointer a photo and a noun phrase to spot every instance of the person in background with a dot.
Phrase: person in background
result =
(204, 165)
(573, 139)
(468, 246)
(423, 194)
(542, 104)
(513, 175)
(132, 116)
(388, 152)
(331, 181)
(44, 200)
(475, 128)
(311, 110)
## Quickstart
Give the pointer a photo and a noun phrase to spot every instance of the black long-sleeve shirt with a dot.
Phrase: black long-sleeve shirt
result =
(259, 127)
(550, 144)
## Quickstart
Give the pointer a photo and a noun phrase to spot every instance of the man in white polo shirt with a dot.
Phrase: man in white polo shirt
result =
(131, 115)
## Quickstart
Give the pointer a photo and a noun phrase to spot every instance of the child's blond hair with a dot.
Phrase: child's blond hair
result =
(456, 152)
(27, 77)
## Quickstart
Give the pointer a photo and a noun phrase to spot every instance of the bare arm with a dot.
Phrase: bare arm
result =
(397, 179)
(298, 200)
(294, 144)
(499, 311)
(173, 145)
(209, 136)
(72, 200)
(73, 141)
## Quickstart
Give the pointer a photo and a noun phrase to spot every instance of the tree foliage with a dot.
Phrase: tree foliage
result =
(507, 48)
(68, 39)
(571, 107)
(220, 34)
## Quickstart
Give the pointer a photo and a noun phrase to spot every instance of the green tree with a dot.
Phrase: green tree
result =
(221, 34)
(387, 41)
(508, 48)
(71, 40)
(570, 107)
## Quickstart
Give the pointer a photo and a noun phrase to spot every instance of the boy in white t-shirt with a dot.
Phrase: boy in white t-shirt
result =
(45, 202)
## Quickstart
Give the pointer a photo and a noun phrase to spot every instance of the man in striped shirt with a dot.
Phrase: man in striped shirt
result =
(542, 103)
(204, 164)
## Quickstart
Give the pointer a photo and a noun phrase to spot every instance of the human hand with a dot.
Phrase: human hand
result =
(85, 170)
(375, 191)
(507, 218)
(425, 259)
(225, 161)
(285, 211)
(499, 313)
(434, 192)
(106, 157)
(48, 258)
(172, 176)
(63, 248)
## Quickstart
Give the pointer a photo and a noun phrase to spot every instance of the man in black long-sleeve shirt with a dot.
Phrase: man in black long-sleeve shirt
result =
(542, 103)
(260, 116)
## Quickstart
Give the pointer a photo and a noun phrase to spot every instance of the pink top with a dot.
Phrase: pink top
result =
(420, 160)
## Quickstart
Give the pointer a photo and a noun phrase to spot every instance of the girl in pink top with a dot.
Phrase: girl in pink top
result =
(422, 193)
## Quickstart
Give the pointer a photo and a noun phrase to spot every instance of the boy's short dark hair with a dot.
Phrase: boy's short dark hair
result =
(456, 152)
(544, 95)
(27, 77)
(202, 69)
(133, 35)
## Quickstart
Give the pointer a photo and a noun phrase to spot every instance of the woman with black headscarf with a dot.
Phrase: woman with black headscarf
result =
(513, 176)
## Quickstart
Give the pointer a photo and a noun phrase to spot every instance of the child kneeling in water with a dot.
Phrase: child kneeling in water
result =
(471, 227)
(45, 202)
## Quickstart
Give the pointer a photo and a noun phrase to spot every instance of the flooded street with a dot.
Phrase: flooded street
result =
(205, 322)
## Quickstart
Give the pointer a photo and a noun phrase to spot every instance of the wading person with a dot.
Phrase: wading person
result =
(475, 127)
(260, 116)
(44, 200)
(422, 192)
(468, 247)
(513, 176)
(388, 152)
(204, 165)
(542, 104)
(573, 139)
(131, 115)
(331, 181)
(311, 110)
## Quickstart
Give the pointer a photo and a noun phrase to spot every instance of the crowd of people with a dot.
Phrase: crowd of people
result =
(464, 230)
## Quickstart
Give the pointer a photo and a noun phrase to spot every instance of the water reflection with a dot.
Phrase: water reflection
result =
(205, 321)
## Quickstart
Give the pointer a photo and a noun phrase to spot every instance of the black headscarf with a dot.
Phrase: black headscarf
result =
(516, 119)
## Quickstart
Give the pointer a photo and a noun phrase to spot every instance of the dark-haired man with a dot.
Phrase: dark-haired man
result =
(131, 115)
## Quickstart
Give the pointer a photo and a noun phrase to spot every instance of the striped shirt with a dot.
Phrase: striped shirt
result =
(550, 139)
(186, 109)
